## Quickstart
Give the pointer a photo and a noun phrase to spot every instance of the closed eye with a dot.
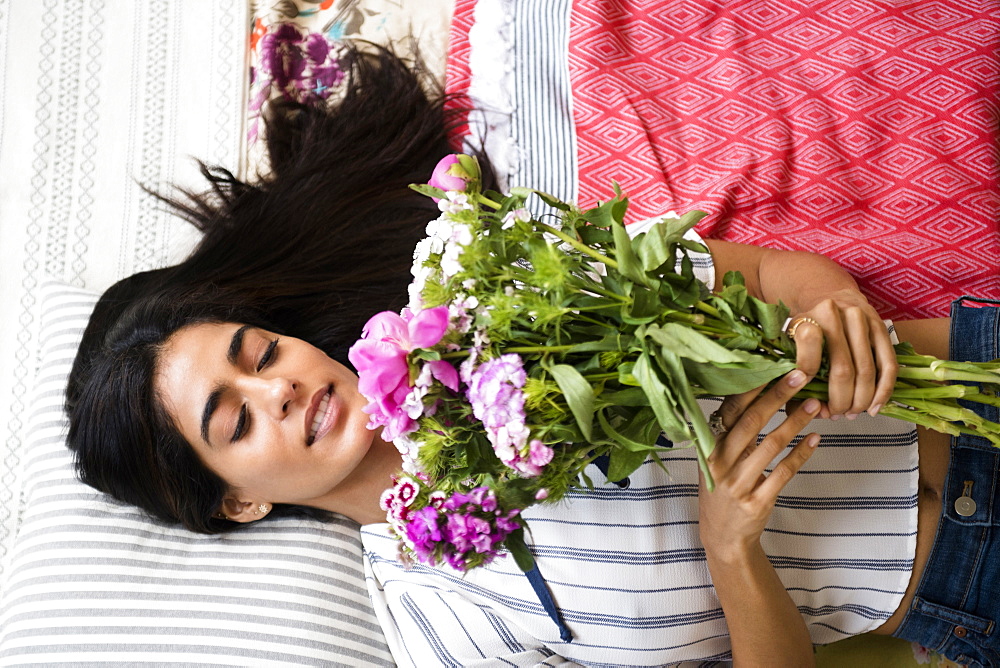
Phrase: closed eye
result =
(242, 423)
(268, 356)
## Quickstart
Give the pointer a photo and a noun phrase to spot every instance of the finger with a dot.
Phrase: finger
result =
(859, 339)
(808, 347)
(788, 467)
(885, 357)
(841, 379)
(774, 444)
(753, 419)
(727, 450)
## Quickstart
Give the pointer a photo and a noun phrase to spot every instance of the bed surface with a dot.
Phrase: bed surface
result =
(96, 97)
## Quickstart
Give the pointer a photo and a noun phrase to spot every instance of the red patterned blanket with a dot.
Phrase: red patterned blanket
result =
(867, 131)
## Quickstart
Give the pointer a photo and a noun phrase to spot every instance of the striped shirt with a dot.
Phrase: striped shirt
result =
(628, 572)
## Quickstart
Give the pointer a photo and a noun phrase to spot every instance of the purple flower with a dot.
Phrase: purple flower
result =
(424, 533)
(467, 532)
(497, 400)
(463, 530)
(484, 498)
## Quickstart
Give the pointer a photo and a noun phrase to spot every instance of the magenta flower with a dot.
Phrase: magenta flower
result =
(380, 358)
(463, 531)
(424, 533)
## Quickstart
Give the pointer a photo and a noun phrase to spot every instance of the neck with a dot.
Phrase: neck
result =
(358, 497)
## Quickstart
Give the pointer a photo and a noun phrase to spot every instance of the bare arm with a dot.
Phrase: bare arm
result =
(765, 627)
(862, 360)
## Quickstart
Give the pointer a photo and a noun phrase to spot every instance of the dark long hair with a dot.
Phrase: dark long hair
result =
(313, 249)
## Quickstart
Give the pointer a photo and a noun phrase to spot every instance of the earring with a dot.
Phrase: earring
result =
(263, 508)
(221, 516)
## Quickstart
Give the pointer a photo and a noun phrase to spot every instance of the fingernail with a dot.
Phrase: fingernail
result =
(851, 416)
(811, 406)
(796, 378)
(835, 417)
(813, 440)
(873, 411)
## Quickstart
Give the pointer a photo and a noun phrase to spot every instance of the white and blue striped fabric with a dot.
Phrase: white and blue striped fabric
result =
(628, 573)
(92, 582)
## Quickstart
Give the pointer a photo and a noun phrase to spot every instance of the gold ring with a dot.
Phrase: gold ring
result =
(792, 328)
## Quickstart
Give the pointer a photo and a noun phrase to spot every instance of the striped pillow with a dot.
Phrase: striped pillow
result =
(90, 580)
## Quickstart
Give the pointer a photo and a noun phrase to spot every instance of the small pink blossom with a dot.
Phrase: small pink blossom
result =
(516, 215)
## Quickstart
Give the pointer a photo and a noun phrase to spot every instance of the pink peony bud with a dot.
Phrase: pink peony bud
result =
(450, 175)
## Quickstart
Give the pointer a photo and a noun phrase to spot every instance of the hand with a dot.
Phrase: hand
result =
(732, 517)
(862, 360)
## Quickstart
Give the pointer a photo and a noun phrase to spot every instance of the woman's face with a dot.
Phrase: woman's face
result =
(274, 417)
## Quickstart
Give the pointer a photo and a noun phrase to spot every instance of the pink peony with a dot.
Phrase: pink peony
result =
(449, 175)
(380, 357)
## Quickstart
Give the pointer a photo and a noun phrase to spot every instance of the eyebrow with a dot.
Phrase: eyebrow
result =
(232, 355)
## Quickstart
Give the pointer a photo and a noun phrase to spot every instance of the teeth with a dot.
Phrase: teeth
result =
(320, 414)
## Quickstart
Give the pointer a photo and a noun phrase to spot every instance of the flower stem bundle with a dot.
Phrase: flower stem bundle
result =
(533, 347)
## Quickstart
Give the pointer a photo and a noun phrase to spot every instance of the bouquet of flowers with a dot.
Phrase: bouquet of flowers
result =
(531, 348)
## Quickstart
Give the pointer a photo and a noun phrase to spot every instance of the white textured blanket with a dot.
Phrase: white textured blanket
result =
(97, 96)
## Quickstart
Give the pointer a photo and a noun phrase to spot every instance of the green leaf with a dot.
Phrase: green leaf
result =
(653, 249)
(704, 439)
(469, 164)
(622, 440)
(593, 235)
(684, 289)
(724, 379)
(609, 342)
(552, 201)
(689, 220)
(628, 263)
(642, 427)
(519, 550)
(771, 317)
(629, 454)
(661, 400)
(579, 395)
(632, 396)
(673, 229)
(625, 375)
(624, 462)
(691, 344)
(734, 291)
(430, 191)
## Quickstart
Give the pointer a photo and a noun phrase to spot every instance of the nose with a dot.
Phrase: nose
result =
(273, 395)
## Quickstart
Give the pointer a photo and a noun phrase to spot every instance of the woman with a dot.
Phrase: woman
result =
(217, 392)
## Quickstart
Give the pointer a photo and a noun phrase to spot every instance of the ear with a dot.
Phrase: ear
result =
(236, 510)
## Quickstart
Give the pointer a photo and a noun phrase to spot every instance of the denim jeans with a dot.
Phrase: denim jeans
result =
(957, 603)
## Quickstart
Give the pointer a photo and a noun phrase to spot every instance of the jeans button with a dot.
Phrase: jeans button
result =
(961, 631)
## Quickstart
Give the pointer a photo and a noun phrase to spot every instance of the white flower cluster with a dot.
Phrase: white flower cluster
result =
(446, 238)
(409, 448)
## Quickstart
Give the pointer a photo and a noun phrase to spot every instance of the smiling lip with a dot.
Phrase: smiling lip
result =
(326, 420)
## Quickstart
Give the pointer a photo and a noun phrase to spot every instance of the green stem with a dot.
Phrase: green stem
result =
(487, 201)
(924, 373)
(920, 419)
(539, 349)
(583, 248)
